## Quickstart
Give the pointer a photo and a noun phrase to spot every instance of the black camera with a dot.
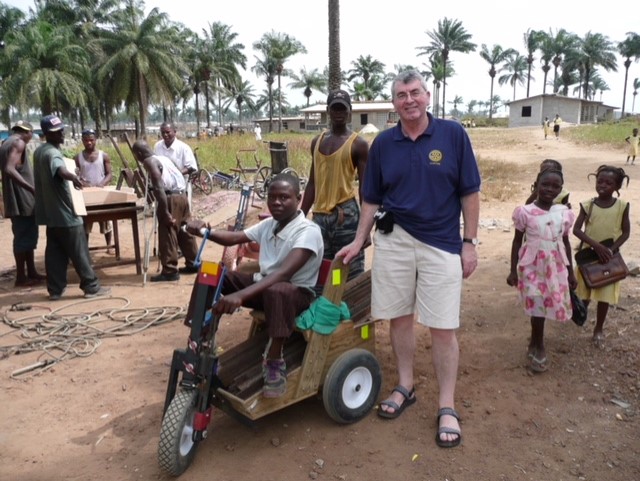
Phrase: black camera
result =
(384, 220)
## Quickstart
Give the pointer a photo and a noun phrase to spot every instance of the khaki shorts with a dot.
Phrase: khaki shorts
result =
(409, 276)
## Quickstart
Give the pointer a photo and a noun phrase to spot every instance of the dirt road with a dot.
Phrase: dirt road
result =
(98, 417)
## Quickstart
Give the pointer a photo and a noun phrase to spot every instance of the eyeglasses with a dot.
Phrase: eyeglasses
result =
(414, 94)
(87, 132)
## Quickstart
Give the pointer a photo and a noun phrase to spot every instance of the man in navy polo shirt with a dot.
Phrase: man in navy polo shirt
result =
(422, 174)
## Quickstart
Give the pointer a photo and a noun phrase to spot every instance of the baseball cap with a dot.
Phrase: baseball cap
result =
(51, 123)
(339, 97)
(22, 125)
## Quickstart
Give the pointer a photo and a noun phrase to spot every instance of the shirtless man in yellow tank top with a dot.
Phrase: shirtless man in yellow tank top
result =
(338, 157)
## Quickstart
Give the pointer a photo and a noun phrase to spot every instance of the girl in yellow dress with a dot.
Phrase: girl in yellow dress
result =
(633, 141)
(608, 218)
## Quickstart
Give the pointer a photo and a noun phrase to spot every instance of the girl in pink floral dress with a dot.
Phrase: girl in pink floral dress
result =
(541, 266)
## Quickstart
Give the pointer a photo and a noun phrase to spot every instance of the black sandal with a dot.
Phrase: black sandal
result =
(446, 430)
(409, 399)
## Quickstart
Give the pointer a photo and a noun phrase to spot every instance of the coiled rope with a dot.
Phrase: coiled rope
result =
(62, 335)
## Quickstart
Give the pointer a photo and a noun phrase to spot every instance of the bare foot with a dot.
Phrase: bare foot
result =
(598, 340)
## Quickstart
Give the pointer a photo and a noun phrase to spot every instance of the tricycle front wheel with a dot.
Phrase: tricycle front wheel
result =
(177, 447)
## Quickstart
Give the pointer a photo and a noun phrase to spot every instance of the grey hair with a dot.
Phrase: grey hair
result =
(406, 77)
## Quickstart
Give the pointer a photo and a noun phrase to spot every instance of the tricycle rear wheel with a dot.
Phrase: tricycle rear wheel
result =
(351, 386)
(177, 446)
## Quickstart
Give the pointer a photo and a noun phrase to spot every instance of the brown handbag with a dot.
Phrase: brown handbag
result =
(596, 274)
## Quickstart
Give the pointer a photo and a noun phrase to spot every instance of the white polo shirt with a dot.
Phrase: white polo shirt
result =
(179, 153)
(300, 233)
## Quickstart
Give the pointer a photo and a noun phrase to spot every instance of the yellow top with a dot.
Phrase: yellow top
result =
(604, 223)
(334, 176)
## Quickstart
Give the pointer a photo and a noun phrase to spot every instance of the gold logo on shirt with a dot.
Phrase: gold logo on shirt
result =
(435, 156)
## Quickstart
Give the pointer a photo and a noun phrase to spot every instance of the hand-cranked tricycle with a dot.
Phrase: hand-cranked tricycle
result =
(341, 366)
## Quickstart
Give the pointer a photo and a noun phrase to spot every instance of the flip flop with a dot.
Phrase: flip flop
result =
(445, 430)
(409, 399)
(538, 365)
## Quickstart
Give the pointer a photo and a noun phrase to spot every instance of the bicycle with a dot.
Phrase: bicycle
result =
(279, 165)
(201, 179)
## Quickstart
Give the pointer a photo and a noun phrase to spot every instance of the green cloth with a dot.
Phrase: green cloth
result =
(323, 316)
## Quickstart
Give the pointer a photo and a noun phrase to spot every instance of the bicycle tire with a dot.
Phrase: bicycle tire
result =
(205, 181)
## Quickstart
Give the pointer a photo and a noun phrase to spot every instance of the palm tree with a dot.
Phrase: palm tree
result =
(52, 71)
(597, 85)
(531, 41)
(266, 67)
(11, 19)
(241, 93)
(449, 37)
(279, 47)
(636, 87)
(596, 50)
(629, 47)
(545, 44)
(368, 69)
(143, 59)
(224, 55)
(309, 81)
(471, 106)
(495, 56)
(335, 72)
(562, 43)
(439, 73)
(516, 66)
(457, 100)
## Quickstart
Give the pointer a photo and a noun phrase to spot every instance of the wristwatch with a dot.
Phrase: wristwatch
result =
(473, 241)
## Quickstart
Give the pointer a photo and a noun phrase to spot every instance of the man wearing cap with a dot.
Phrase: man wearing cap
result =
(66, 239)
(337, 156)
(168, 187)
(94, 166)
(19, 202)
(179, 153)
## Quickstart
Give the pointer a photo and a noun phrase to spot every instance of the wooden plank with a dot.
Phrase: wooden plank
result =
(77, 199)
(313, 363)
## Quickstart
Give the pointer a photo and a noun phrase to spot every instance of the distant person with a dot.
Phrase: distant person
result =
(563, 196)
(94, 166)
(556, 126)
(258, 131)
(421, 179)
(179, 152)
(66, 238)
(633, 140)
(19, 202)
(541, 266)
(290, 259)
(600, 218)
(338, 158)
(168, 187)
(546, 127)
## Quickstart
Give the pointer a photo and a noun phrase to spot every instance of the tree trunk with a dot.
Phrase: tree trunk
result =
(206, 107)
(279, 106)
(627, 64)
(335, 74)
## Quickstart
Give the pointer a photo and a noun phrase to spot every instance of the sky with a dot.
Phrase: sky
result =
(391, 35)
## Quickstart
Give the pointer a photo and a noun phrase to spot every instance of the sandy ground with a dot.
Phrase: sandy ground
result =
(98, 417)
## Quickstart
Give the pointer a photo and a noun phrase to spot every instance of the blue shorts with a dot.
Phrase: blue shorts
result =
(25, 233)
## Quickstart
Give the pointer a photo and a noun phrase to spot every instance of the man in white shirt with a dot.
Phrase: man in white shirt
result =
(168, 187)
(179, 153)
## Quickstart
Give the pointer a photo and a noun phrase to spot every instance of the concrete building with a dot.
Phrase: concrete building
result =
(531, 111)
(380, 114)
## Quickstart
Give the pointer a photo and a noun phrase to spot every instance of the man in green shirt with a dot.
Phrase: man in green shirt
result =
(66, 239)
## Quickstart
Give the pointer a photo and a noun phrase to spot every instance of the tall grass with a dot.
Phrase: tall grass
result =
(500, 179)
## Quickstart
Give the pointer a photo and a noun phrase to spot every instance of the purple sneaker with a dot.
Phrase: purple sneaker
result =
(274, 373)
